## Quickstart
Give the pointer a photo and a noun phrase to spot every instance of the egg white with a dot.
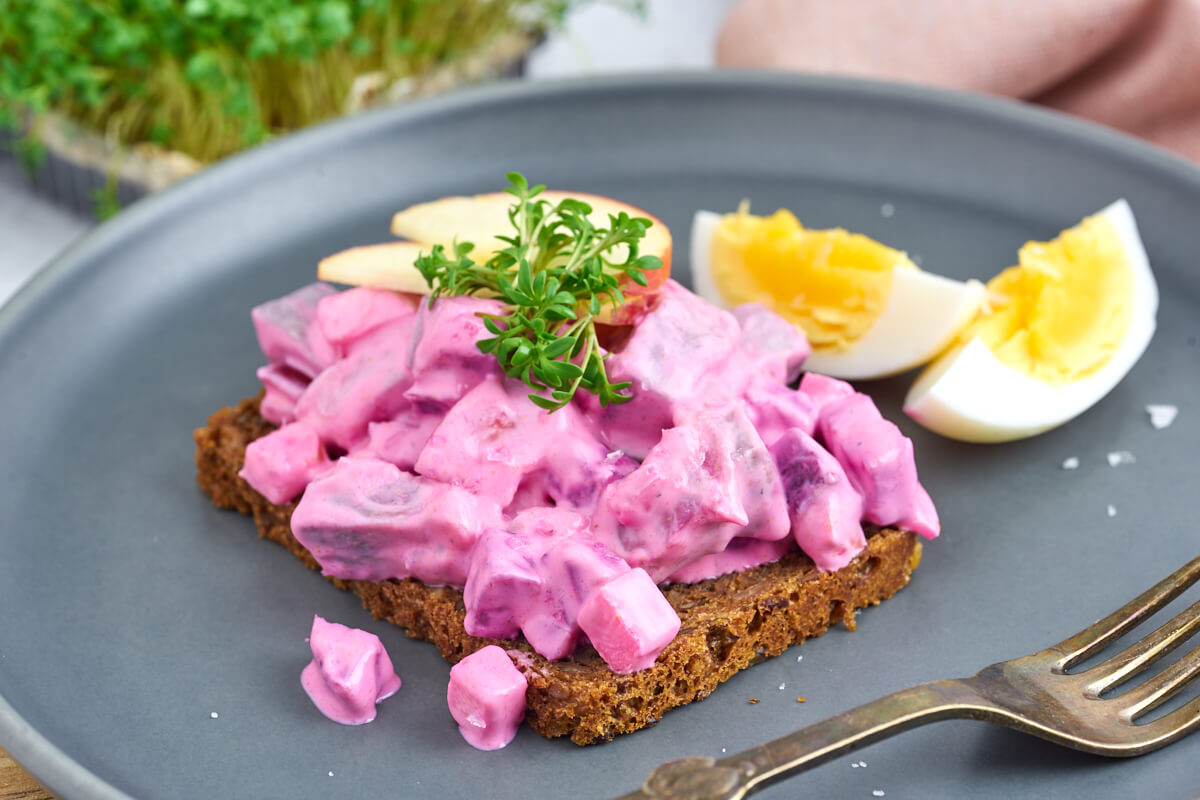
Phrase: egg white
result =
(923, 315)
(969, 394)
(704, 226)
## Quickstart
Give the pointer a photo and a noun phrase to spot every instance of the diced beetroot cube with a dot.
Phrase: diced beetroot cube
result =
(575, 566)
(629, 622)
(483, 444)
(350, 672)
(446, 361)
(825, 509)
(753, 471)
(280, 464)
(775, 409)
(287, 333)
(777, 347)
(531, 494)
(501, 583)
(367, 520)
(400, 439)
(486, 697)
(284, 386)
(571, 566)
(676, 346)
(548, 631)
(347, 316)
(535, 576)
(740, 554)
(706, 481)
(879, 460)
(549, 524)
(573, 463)
(366, 386)
(680, 504)
(676, 343)
(824, 390)
(492, 438)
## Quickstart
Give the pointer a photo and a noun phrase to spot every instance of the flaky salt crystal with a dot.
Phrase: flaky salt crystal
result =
(1119, 457)
(1071, 463)
(1162, 415)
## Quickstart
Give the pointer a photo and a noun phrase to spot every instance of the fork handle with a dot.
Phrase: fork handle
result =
(735, 776)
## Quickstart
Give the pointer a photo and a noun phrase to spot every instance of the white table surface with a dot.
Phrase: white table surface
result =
(674, 34)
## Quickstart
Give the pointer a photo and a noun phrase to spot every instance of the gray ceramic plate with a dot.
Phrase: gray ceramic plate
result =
(132, 610)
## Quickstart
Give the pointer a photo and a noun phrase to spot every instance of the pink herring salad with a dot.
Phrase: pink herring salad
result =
(350, 673)
(434, 465)
(486, 696)
(628, 621)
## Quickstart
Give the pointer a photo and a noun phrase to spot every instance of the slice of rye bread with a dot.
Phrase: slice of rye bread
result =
(728, 623)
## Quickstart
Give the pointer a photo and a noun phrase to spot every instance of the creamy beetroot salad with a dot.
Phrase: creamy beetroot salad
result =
(417, 457)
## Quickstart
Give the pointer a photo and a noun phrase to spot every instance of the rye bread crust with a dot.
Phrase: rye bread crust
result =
(728, 623)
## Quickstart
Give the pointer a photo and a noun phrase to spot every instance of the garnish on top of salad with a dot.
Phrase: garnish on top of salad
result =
(554, 276)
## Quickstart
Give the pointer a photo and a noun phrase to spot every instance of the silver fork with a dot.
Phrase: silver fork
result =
(1034, 694)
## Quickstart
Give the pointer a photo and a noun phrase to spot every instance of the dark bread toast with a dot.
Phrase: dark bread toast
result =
(728, 623)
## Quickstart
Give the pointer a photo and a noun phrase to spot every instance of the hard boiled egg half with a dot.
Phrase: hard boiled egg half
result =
(866, 309)
(1060, 330)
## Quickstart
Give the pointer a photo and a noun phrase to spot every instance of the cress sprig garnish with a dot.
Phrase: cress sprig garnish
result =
(554, 278)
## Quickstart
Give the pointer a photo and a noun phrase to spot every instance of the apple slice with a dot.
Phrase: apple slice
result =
(390, 265)
(478, 218)
(380, 266)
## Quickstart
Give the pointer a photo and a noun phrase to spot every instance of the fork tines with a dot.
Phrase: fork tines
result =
(1140, 655)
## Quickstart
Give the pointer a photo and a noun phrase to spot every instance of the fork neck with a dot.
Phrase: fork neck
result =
(735, 776)
(858, 727)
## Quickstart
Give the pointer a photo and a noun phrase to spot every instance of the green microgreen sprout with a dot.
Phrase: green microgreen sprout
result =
(554, 278)
(210, 77)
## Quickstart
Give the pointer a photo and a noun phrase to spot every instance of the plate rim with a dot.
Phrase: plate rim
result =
(69, 779)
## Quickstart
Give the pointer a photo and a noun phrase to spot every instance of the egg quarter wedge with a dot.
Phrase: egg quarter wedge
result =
(922, 316)
(704, 225)
(971, 395)
(1120, 215)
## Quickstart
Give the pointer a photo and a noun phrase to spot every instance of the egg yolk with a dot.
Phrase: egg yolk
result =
(831, 283)
(1062, 312)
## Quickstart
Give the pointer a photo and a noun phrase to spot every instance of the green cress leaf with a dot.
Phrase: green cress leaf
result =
(554, 278)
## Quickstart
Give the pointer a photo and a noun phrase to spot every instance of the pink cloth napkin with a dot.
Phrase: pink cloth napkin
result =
(1131, 64)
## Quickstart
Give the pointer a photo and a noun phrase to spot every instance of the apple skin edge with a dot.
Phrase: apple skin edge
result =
(637, 296)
